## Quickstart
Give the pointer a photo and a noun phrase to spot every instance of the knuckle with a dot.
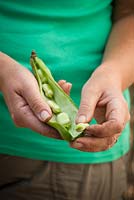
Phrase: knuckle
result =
(84, 106)
(35, 105)
(110, 140)
(119, 127)
(87, 88)
(17, 120)
(108, 144)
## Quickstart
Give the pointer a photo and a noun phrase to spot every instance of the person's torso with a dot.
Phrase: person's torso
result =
(70, 36)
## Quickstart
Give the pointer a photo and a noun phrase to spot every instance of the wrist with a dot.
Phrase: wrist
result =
(121, 70)
(106, 77)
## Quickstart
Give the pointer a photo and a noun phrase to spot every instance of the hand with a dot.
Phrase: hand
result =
(102, 99)
(22, 96)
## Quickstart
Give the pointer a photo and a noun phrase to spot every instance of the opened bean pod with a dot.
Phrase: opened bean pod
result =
(63, 108)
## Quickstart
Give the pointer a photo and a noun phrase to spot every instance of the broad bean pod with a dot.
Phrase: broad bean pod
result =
(63, 108)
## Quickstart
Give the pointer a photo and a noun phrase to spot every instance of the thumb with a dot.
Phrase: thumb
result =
(89, 99)
(36, 102)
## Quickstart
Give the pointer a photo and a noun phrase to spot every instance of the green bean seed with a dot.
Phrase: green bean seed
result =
(42, 77)
(48, 90)
(81, 127)
(55, 108)
(63, 119)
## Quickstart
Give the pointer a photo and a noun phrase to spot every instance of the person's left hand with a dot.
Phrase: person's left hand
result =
(102, 99)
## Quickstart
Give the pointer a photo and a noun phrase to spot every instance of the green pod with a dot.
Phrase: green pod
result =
(64, 102)
(42, 77)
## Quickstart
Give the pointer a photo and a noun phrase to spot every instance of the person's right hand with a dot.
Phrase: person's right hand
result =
(22, 96)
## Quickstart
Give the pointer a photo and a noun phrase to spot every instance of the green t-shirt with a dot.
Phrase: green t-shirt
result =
(70, 36)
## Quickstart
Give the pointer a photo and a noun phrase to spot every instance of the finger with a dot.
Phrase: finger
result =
(66, 86)
(99, 114)
(116, 121)
(61, 82)
(89, 99)
(117, 109)
(93, 144)
(24, 117)
(106, 129)
(37, 104)
(117, 116)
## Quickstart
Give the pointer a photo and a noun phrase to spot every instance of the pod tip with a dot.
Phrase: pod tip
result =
(33, 54)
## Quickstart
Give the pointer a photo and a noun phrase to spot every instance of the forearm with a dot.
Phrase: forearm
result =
(119, 53)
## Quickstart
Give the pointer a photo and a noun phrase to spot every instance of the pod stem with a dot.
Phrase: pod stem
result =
(33, 54)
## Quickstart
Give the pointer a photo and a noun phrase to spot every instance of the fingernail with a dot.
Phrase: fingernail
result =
(77, 145)
(81, 119)
(44, 115)
(69, 84)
